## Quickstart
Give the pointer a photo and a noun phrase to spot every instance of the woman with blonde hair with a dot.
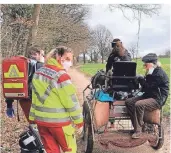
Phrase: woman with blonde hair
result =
(55, 104)
(67, 63)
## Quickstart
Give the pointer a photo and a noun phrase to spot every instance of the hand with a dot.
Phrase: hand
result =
(34, 126)
(140, 77)
(79, 130)
(121, 52)
(150, 71)
(10, 112)
(116, 59)
(141, 80)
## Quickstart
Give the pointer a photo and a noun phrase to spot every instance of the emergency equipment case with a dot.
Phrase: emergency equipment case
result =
(15, 77)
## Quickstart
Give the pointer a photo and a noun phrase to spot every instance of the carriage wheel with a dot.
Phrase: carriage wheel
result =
(87, 136)
(159, 132)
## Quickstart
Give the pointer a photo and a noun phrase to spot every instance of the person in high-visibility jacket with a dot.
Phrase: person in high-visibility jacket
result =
(55, 105)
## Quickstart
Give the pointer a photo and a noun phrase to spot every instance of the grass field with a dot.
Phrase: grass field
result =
(91, 69)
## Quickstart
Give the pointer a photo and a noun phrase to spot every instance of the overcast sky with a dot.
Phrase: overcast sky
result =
(154, 34)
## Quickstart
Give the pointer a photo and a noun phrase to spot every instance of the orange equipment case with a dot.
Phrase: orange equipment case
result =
(15, 77)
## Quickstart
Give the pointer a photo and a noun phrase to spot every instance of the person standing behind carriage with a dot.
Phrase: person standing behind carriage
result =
(155, 86)
(119, 53)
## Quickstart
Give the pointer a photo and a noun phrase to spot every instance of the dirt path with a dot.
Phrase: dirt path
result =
(81, 81)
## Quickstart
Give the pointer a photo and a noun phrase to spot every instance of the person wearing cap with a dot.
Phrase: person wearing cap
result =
(55, 105)
(119, 53)
(36, 57)
(155, 86)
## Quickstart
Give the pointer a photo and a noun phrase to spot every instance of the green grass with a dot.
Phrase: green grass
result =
(91, 69)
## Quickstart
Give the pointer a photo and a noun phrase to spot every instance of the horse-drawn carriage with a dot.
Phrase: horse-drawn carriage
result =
(98, 116)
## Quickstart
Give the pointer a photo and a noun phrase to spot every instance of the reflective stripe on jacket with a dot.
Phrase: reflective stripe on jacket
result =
(54, 97)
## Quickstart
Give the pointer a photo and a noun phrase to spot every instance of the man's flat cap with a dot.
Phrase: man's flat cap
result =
(150, 58)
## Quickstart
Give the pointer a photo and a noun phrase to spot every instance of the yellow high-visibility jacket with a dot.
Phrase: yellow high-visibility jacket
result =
(54, 100)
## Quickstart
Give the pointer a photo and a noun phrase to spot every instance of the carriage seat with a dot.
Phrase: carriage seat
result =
(149, 117)
(124, 76)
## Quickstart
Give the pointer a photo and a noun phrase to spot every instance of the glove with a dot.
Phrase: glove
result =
(116, 59)
(10, 112)
(79, 128)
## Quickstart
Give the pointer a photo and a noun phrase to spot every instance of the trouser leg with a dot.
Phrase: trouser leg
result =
(141, 106)
(48, 140)
(26, 105)
(65, 136)
(130, 104)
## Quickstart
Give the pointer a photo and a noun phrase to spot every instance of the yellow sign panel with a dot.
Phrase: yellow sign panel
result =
(13, 85)
(13, 72)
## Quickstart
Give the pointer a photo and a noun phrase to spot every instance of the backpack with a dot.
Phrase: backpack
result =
(17, 74)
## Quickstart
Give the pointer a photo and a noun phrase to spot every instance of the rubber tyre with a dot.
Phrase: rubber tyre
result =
(161, 140)
(87, 136)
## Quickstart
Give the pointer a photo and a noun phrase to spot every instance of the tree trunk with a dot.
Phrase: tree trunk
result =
(33, 29)
(74, 60)
(78, 59)
(91, 56)
(95, 57)
(84, 57)
(102, 56)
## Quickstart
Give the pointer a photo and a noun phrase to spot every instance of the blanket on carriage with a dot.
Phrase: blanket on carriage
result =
(101, 96)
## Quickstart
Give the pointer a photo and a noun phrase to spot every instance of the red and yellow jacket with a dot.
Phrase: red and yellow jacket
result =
(54, 100)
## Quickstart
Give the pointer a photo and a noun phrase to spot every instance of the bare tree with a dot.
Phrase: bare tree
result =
(61, 28)
(15, 28)
(33, 29)
(132, 49)
(144, 9)
(48, 27)
(138, 10)
(78, 12)
(102, 38)
(167, 52)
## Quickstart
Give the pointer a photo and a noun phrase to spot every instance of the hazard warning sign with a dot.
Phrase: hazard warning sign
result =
(13, 72)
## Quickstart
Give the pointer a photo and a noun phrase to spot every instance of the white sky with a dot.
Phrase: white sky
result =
(154, 34)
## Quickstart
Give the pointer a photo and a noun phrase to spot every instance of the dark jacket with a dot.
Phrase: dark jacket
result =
(114, 57)
(156, 86)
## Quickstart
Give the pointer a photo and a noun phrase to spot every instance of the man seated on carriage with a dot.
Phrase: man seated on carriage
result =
(155, 86)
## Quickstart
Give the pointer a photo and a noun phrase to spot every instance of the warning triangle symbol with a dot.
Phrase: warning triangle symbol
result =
(13, 73)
